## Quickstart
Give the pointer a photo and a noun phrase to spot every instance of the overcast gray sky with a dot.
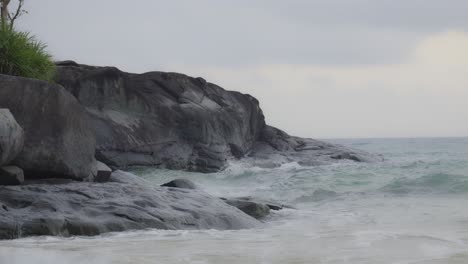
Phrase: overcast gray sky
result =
(328, 68)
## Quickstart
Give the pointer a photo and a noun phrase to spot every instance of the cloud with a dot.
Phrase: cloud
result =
(146, 35)
(425, 96)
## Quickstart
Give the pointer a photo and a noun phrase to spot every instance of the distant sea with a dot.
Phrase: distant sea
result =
(411, 208)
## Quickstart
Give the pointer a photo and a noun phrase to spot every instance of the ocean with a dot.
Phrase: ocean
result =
(410, 208)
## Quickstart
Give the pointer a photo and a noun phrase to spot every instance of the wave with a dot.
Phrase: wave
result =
(434, 183)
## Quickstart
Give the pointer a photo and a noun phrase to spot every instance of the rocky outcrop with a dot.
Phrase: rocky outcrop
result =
(275, 147)
(58, 140)
(180, 122)
(11, 137)
(127, 202)
(163, 119)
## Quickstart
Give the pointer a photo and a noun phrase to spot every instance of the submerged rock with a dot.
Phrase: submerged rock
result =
(58, 141)
(271, 204)
(11, 137)
(256, 210)
(181, 183)
(126, 202)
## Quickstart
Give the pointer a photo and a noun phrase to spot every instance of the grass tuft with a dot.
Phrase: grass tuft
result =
(22, 55)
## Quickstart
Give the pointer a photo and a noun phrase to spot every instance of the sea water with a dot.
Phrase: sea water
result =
(411, 208)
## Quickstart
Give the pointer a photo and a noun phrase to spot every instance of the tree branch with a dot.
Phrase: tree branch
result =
(18, 13)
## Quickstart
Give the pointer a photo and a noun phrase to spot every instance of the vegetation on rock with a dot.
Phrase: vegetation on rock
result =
(21, 54)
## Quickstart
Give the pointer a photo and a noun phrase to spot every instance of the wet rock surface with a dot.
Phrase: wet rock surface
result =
(126, 202)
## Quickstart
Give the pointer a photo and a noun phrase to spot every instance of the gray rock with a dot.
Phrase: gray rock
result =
(181, 183)
(256, 210)
(58, 139)
(103, 172)
(11, 175)
(87, 208)
(175, 121)
(271, 204)
(276, 147)
(11, 137)
(126, 177)
(163, 119)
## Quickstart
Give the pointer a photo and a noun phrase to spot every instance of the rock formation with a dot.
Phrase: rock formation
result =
(58, 140)
(126, 202)
(180, 122)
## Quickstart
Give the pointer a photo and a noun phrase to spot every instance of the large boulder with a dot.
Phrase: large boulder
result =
(58, 139)
(126, 202)
(180, 122)
(11, 137)
(163, 119)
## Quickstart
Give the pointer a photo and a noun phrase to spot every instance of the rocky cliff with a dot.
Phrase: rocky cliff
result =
(180, 122)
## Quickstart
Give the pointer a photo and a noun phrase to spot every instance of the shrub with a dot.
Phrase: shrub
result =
(22, 55)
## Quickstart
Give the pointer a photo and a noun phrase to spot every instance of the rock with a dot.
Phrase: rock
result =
(58, 141)
(88, 208)
(126, 177)
(103, 172)
(11, 175)
(256, 210)
(163, 119)
(179, 122)
(11, 137)
(275, 147)
(181, 183)
(271, 204)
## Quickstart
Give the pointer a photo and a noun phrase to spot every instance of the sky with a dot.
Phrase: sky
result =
(320, 68)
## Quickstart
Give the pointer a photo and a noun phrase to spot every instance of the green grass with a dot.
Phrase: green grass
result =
(22, 55)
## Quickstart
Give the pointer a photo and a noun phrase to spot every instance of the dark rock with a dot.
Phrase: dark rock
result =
(103, 172)
(271, 204)
(179, 122)
(11, 137)
(87, 208)
(11, 175)
(58, 139)
(256, 210)
(276, 147)
(181, 183)
(163, 119)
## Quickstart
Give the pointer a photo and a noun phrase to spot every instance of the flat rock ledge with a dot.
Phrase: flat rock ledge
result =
(65, 208)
